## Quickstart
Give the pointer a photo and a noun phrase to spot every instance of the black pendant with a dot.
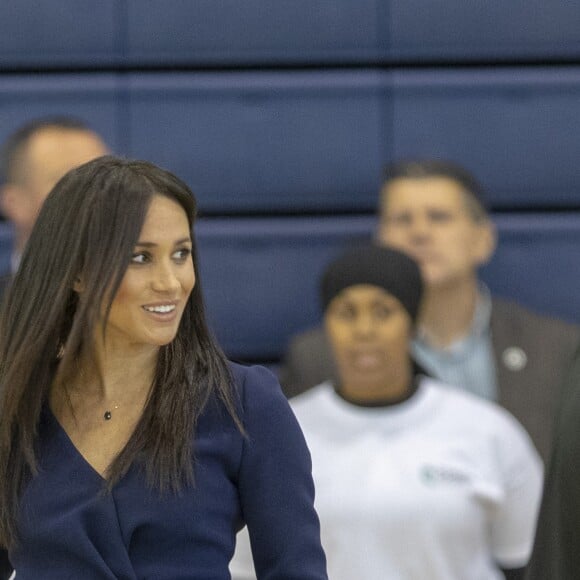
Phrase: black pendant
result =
(107, 415)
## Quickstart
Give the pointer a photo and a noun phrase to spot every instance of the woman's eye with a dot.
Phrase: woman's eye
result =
(344, 313)
(182, 255)
(383, 311)
(139, 258)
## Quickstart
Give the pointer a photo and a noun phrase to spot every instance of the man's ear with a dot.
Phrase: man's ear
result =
(78, 285)
(10, 201)
(487, 242)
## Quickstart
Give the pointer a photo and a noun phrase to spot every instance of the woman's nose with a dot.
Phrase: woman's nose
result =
(364, 325)
(165, 278)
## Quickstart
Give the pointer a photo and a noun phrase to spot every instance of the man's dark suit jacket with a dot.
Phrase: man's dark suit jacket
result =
(528, 387)
(556, 549)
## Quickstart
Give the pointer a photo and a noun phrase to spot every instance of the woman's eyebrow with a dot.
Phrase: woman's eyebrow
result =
(153, 244)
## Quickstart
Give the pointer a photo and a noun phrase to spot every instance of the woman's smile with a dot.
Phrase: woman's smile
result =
(162, 311)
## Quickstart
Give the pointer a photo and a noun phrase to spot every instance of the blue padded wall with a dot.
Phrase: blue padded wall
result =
(516, 129)
(257, 31)
(297, 141)
(483, 29)
(339, 31)
(265, 141)
(61, 32)
(94, 98)
(205, 32)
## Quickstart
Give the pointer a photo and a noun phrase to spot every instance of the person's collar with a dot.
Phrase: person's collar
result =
(418, 373)
(482, 315)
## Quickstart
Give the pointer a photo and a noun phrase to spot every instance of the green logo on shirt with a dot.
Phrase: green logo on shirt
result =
(434, 474)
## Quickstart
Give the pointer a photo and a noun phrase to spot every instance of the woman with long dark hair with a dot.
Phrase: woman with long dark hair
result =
(129, 446)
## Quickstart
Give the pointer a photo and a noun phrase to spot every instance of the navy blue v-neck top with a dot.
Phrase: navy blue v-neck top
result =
(69, 528)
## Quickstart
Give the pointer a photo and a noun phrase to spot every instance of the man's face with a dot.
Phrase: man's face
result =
(429, 219)
(50, 154)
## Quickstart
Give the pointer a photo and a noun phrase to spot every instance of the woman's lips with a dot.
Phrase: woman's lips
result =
(366, 360)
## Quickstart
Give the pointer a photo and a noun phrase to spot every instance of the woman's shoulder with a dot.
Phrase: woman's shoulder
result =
(254, 374)
(257, 387)
(256, 379)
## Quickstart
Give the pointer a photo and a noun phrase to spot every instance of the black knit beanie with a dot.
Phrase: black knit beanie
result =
(390, 269)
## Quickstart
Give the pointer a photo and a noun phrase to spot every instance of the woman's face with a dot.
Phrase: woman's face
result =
(149, 304)
(369, 331)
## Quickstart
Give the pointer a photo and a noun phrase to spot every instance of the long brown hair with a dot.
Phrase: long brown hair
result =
(90, 224)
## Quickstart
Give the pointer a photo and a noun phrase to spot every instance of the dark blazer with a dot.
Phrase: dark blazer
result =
(557, 546)
(532, 355)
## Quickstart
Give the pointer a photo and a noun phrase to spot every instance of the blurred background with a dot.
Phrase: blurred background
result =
(280, 115)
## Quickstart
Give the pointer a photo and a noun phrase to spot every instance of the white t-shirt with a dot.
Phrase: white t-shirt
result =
(436, 488)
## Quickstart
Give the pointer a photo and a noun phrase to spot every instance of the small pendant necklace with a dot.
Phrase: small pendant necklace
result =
(108, 414)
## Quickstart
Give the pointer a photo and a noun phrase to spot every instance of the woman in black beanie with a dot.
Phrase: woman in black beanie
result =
(414, 480)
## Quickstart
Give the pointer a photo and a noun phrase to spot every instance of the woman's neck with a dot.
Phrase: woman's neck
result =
(392, 389)
(105, 377)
